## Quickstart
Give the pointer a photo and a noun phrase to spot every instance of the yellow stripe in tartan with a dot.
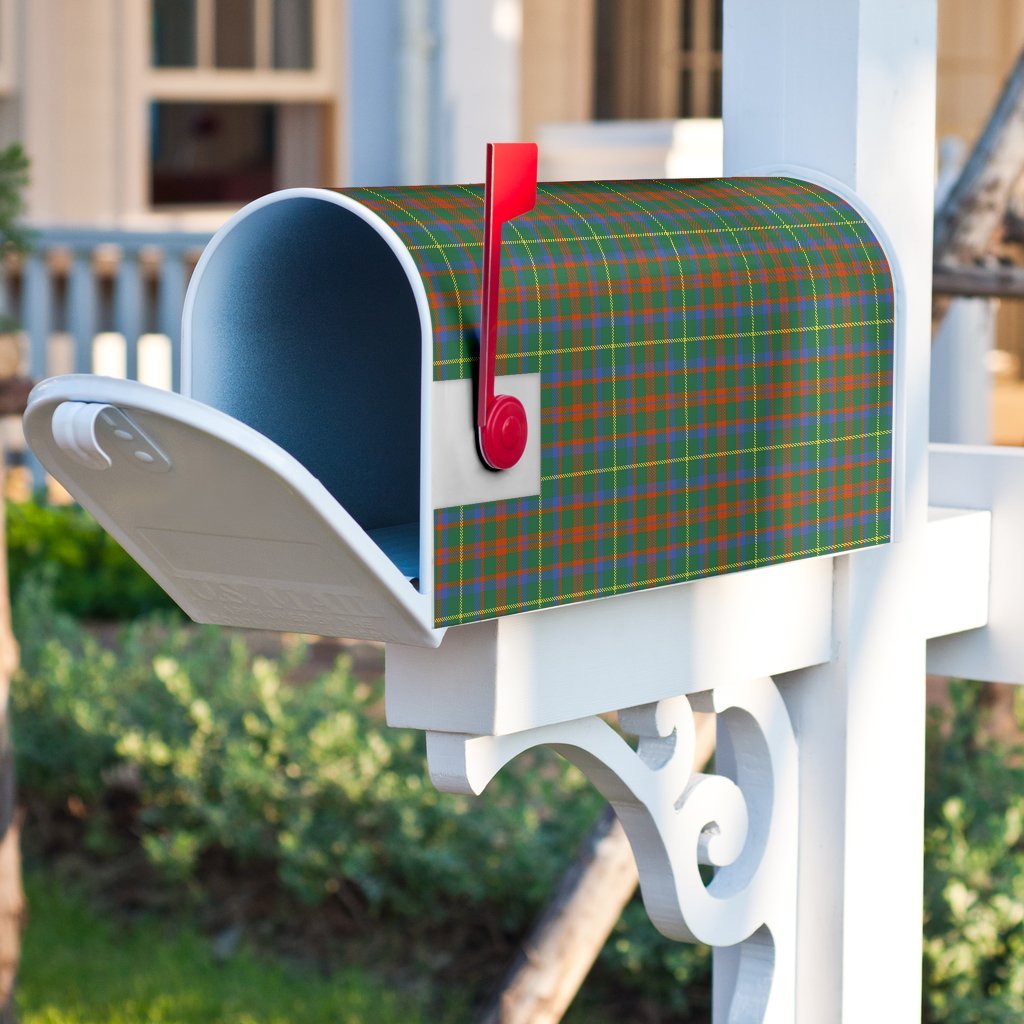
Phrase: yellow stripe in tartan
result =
(540, 330)
(731, 229)
(817, 341)
(753, 449)
(748, 563)
(419, 223)
(665, 233)
(615, 412)
(821, 196)
(727, 336)
(645, 234)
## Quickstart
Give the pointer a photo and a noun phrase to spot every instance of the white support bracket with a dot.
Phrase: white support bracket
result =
(957, 570)
(992, 479)
(495, 689)
(743, 822)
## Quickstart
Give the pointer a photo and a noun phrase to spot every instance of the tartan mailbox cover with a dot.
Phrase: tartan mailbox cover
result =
(706, 366)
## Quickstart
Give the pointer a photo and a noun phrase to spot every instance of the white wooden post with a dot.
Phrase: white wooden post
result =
(849, 89)
(960, 403)
(961, 384)
(479, 82)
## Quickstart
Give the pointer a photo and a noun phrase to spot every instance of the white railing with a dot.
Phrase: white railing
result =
(102, 301)
(98, 301)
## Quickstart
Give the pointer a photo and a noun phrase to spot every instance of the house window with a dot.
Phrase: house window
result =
(242, 97)
(212, 152)
(227, 154)
(256, 35)
(700, 58)
(658, 58)
(234, 34)
(174, 33)
(293, 34)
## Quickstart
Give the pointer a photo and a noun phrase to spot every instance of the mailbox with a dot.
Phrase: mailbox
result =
(706, 371)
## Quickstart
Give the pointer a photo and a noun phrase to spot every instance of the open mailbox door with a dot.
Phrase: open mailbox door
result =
(236, 530)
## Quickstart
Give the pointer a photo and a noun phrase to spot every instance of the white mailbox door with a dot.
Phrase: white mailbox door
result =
(236, 530)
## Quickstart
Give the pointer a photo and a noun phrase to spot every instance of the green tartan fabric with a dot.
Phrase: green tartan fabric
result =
(716, 361)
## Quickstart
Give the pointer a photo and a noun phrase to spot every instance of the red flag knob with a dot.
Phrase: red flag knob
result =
(503, 436)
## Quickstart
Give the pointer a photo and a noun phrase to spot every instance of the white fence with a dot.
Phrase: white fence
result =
(102, 301)
(91, 301)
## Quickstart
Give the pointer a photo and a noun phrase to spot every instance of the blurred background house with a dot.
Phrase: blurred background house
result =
(172, 113)
(149, 122)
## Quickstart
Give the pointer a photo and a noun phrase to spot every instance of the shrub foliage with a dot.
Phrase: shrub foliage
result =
(91, 575)
(974, 868)
(225, 755)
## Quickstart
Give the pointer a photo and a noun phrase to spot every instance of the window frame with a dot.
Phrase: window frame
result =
(262, 83)
(144, 85)
(651, 57)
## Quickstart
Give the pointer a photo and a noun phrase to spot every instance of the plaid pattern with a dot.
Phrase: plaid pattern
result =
(716, 361)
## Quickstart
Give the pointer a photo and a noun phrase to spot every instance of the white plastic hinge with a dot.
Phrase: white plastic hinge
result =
(82, 430)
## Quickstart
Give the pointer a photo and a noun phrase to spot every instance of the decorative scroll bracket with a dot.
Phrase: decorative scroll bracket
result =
(743, 822)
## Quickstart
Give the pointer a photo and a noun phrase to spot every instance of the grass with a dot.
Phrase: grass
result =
(79, 968)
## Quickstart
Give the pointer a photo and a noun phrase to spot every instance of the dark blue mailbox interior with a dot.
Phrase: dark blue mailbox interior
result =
(305, 327)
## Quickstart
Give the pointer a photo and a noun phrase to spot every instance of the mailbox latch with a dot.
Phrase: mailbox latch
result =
(89, 431)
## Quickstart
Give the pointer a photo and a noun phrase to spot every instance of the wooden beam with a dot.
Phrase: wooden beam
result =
(1005, 282)
(969, 218)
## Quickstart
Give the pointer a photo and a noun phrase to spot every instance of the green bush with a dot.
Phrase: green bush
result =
(226, 754)
(228, 757)
(90, 573)
(974, 869)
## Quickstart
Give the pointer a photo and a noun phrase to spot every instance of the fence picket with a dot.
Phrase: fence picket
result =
(81, 312)
(128, 308)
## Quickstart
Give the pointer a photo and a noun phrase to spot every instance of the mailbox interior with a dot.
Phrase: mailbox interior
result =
(302, 322)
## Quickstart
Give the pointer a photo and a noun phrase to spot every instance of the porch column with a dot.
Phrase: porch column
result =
(848, 89)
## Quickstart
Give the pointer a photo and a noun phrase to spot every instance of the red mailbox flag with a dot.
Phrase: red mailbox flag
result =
(511, 189)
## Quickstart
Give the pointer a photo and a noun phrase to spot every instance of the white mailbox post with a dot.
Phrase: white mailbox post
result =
(717, 497)
(850, 88)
